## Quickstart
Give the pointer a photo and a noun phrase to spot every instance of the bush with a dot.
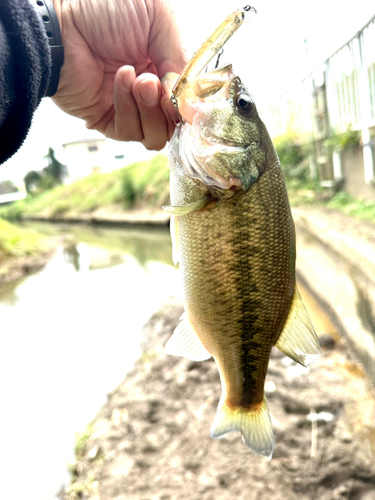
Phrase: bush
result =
(13, 212)
(293, 157)
(146, 182)
(344, 140)
(356, 207)
(128, 191)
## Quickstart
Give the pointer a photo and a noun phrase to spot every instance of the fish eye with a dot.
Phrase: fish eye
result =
(244, 104)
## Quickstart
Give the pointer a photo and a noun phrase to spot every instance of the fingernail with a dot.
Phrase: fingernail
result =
(148, 92)
(128, 78)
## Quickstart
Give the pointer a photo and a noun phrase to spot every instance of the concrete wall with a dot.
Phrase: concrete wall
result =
(336, 263)
(354, 174)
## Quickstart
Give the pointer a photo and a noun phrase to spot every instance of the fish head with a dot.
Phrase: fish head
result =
(221, 139)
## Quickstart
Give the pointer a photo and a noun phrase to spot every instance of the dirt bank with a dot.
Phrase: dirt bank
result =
(14, 268)
(151, 439)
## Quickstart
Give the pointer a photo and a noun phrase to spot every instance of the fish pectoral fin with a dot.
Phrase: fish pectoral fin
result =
(298, 340)
(190, 207)
(254, 423)
(185, 342)
(174, 237)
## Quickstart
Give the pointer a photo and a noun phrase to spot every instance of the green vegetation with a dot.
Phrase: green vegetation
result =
(294, 161)
(18, 242)
(343, 140)
(81, 441)
(304, 190)
(291, 154)
(362, 209)
(140, 184)
(146, 184)
(80, 488)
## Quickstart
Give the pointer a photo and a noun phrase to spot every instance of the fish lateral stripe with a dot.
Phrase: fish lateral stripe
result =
(253, 422)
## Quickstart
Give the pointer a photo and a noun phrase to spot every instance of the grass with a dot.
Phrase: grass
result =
(81, 441)
(144, 183)
(18, 242)
(362, 209)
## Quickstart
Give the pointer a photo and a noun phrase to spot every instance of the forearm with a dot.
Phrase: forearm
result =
(25, 68)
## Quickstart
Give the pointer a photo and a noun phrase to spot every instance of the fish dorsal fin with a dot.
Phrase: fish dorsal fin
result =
(185, 342)
(174, 237)
(253, 422)
(298, 340)
(190, 207)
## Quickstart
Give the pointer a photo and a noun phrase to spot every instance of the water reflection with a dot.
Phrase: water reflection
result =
(72, 255)
(151, 244)
(68, 335)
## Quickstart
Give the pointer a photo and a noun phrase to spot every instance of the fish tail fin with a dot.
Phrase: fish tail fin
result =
(253, 422)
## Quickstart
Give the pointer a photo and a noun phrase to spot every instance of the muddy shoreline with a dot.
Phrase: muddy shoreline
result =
(16, 268)
(151, 439)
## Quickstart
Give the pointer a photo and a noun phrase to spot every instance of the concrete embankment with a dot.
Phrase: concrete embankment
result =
(105, 217)
(336, 263)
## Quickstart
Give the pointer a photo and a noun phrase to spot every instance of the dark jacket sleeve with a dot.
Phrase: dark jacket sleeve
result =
(25, 69)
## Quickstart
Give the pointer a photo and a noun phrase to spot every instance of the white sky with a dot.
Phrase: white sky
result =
(269, 54)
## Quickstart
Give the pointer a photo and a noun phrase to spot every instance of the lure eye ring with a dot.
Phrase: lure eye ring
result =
(244, 104)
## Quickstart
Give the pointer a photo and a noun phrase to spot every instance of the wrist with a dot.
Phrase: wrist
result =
(52, 23)
(58, 9)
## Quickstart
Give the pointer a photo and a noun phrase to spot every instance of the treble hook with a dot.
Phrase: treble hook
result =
(218, 58)
(247, 8)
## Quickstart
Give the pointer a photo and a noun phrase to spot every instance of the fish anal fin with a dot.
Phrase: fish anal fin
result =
(174, 237)
(253, 423)
(298, 339)
(185, 342)
(190, 207)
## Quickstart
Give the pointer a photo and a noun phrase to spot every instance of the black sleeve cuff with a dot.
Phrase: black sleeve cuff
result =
(25, 71)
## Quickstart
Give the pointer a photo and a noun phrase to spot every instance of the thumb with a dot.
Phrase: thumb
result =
(166, 49)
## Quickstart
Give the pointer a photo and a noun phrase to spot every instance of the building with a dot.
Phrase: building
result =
(333, 105)
(87, 156)
(11, 191)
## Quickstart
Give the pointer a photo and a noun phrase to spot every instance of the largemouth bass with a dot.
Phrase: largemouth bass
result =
(233, 234)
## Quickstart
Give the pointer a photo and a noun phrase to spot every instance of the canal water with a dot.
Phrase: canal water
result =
(68, 335)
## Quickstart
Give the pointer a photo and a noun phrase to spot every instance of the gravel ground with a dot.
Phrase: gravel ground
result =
(151, 439)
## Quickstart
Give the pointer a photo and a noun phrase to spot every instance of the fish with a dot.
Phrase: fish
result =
(233, 236)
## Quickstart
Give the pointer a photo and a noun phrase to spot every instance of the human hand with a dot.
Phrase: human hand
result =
(115, 54)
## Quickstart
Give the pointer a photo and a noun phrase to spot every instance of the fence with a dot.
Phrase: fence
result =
(337, 96)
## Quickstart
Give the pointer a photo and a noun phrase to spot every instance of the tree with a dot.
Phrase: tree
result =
(54, 167)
